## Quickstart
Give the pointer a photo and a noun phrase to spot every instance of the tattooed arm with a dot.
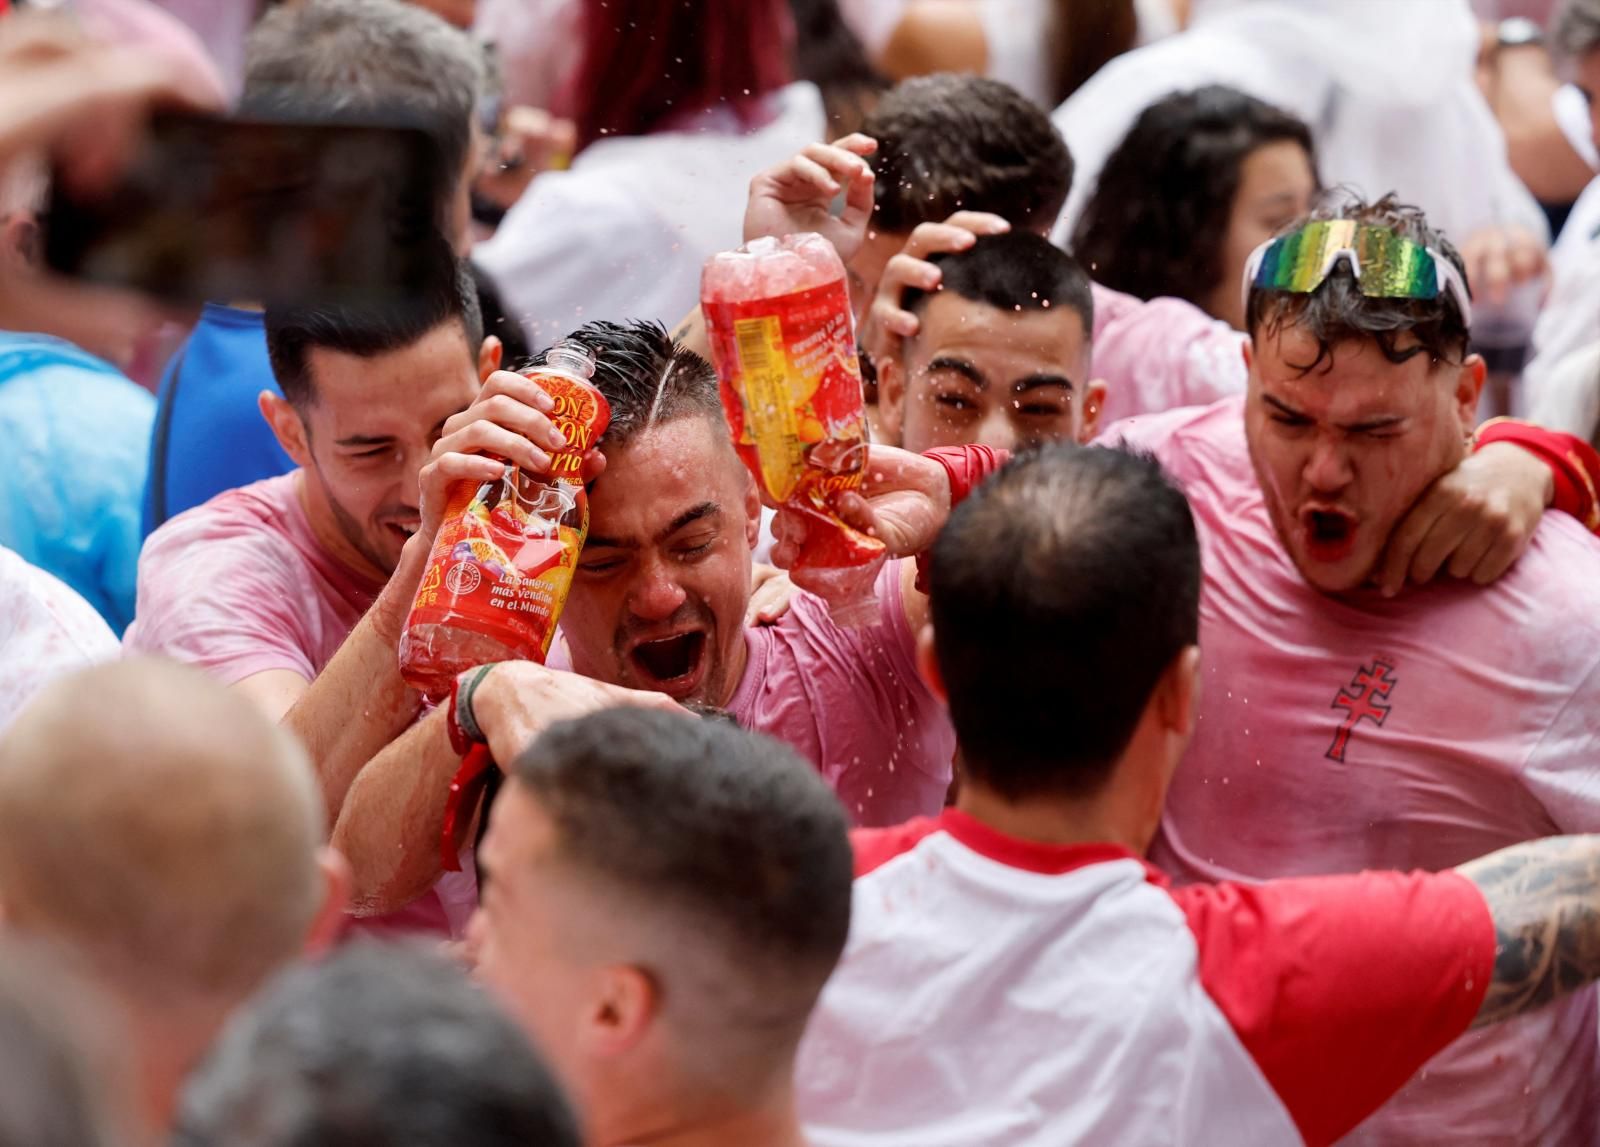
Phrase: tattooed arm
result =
(1545, 900)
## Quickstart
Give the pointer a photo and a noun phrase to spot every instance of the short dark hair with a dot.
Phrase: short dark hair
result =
(948, 143)
(368, 58)
(383, 1046)
(369, 329)
(1337, 312)
(723, 829)
(1016, 271)
(1157, 223)
(1061, 590)
(1576, 30)
(647, 378)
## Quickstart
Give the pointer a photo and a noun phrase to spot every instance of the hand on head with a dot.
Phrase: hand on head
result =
(797, 195)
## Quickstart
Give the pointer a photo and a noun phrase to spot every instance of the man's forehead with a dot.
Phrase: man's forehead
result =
(1053, 338)
(661, 473)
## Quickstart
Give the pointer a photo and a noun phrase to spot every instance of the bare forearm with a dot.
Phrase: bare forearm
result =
(390, 827)
(356, 706)
(1544, 897)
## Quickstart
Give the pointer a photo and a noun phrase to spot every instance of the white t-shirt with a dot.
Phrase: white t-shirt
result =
(1570, 319)
(46, 631)
(1000, 993)
(624, 233)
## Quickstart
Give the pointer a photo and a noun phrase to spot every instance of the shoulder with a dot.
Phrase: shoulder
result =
(248, 531)
(43, 615)
(1215, 430)
(875, 847)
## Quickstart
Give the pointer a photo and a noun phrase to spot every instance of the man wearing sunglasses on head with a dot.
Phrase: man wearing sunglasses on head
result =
(1342, 728)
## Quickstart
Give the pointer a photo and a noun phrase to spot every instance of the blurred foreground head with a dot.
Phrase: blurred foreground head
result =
(161, 830)
(381, 1046)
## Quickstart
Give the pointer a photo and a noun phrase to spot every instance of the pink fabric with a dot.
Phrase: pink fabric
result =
(851, 702)
(1161, 355)
(46, 631)
(240, 585)
(1337, 735)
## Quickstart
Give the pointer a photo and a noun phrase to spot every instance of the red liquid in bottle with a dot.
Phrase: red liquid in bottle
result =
(500, 569)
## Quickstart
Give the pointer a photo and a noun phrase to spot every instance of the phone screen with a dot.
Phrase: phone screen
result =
(263, 211)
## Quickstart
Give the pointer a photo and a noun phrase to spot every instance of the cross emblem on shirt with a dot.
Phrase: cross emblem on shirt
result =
(1365, 698)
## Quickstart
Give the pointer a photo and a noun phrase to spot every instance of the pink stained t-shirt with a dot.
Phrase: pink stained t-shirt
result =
(1161, 355)
(851, 702)
(1342, 734)
(239, 586)
(46, 631)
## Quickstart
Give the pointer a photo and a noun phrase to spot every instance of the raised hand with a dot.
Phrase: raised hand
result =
(798, 194)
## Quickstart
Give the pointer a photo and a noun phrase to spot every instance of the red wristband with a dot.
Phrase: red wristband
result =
(1573, 463)
(967, 466)
(466, 791)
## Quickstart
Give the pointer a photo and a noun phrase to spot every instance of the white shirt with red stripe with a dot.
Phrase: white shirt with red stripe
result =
(1001, 993)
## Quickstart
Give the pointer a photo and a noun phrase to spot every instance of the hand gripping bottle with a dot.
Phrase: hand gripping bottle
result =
(502, 563)
(783, 341)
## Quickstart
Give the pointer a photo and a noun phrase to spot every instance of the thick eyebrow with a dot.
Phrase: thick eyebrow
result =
(1365, 424)
(687, 518)
(365, 440)
(962, 367)
(1035, 381)
(1283, 407)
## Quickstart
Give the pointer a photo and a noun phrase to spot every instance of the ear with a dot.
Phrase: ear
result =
(1177, 696)
(329, 921)
(891, 398)
(1094, 397)
(489, 357)
(752, 510)
(23, 246)
(1247, 350)
(287, 426)
(928, 665)
(1469, 385)
(628, 1002)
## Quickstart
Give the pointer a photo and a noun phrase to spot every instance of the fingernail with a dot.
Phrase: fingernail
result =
(538, 460)
(543, 401)
(557, 437)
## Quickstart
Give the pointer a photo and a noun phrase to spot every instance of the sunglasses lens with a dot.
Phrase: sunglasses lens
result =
(1390, 267)
(1394, 268)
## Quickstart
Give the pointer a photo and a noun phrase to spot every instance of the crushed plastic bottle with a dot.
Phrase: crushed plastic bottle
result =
(783, 342)
(501, 566)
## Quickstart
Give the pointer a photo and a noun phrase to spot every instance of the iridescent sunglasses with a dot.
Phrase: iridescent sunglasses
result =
(1385, 265)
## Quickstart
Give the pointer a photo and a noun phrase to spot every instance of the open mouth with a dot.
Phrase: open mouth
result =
(1329, 533)
(669, 662)
(402, 532)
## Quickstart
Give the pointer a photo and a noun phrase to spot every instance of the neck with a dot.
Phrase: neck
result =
(325, 528)
(170, 1040)
(770, 1123)
(1056, 820)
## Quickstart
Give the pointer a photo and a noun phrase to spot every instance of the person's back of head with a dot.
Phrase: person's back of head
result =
(1002, 354)
(665, 899)
(1161, 217)
(373, 59)
(647, 65)
(949, 143)
(1065, 598)
(161, 829)
(381, 1046)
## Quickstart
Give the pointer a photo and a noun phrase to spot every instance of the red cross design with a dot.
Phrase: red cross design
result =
(1365, 698)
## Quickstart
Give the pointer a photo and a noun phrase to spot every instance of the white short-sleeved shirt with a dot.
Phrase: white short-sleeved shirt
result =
(46, 632)
(1342, 734)
(1000, 993)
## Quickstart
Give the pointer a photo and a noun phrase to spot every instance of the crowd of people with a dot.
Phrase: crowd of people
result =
(1219, 762)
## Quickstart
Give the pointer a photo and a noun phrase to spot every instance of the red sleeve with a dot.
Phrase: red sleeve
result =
(1574, 464)
(1342, 987)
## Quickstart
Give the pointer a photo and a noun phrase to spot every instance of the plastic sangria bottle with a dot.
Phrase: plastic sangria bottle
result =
(501, 566)
(783, 342)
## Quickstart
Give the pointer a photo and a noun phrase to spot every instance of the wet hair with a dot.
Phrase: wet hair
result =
(368, 330)
(1016, 271)
(382, 1046)
(726, 842)
(1575, 30)
(368, 58)
(648, 62)
(647, 378)
(1061, 590)
(831, 56)
(1157, 223)
(1337, 312)
(948, 143)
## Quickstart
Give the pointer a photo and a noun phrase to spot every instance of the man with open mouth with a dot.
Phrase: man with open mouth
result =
(1350, 717)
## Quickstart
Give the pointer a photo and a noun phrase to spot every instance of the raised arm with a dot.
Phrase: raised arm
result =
(1544, 897)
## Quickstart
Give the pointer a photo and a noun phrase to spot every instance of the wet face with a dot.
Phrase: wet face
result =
(976, 374)
(370, 427)
(1276, 185)
(1342, 452)
(523, 933)
(659, 597)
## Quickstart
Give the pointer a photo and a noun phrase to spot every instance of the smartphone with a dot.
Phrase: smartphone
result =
(261, 210)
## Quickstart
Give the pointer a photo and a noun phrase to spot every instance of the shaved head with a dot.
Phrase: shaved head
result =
(162, 828)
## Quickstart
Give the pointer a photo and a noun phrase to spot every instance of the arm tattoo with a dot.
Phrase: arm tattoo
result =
(1545, 900)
